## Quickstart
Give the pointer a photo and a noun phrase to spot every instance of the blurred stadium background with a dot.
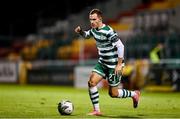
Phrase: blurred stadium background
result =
(55, 55)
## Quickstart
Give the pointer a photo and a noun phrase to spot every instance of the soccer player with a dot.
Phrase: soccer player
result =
(110, 63)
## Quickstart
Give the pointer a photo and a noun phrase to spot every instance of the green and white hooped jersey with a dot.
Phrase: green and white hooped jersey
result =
(105, 37)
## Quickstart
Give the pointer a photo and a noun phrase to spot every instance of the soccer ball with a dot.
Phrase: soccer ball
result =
(65, 107)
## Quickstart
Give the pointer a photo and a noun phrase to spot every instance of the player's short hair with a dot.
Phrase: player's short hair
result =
(96, 11)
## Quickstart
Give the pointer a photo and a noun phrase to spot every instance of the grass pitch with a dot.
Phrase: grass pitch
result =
(37, 101)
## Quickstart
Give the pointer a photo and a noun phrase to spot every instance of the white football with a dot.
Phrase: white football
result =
(65, 107)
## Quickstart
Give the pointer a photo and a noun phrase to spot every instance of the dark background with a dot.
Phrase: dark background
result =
(20, 18)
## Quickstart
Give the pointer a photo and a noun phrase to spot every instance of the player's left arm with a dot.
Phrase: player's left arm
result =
(116, 41)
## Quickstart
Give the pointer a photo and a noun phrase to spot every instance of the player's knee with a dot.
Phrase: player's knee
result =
(91, 83)
(113, 94)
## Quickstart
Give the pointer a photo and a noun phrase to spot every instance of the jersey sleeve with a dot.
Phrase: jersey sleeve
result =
(87, 34)
(115, 40)
(113, 36)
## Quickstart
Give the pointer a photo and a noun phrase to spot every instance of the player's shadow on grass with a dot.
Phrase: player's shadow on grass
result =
(120, 116)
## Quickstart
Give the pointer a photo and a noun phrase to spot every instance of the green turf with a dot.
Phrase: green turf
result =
(41, 102)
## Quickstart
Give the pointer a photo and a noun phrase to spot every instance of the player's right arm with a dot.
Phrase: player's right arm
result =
(85, 34)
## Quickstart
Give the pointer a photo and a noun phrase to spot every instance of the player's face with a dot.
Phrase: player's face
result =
(94, 20)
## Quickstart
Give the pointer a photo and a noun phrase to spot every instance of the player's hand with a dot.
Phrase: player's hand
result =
(118, 70)
(78, 29)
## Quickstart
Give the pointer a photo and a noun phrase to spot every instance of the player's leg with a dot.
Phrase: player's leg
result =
(116, 92)
(93, 92)
(96, 76)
